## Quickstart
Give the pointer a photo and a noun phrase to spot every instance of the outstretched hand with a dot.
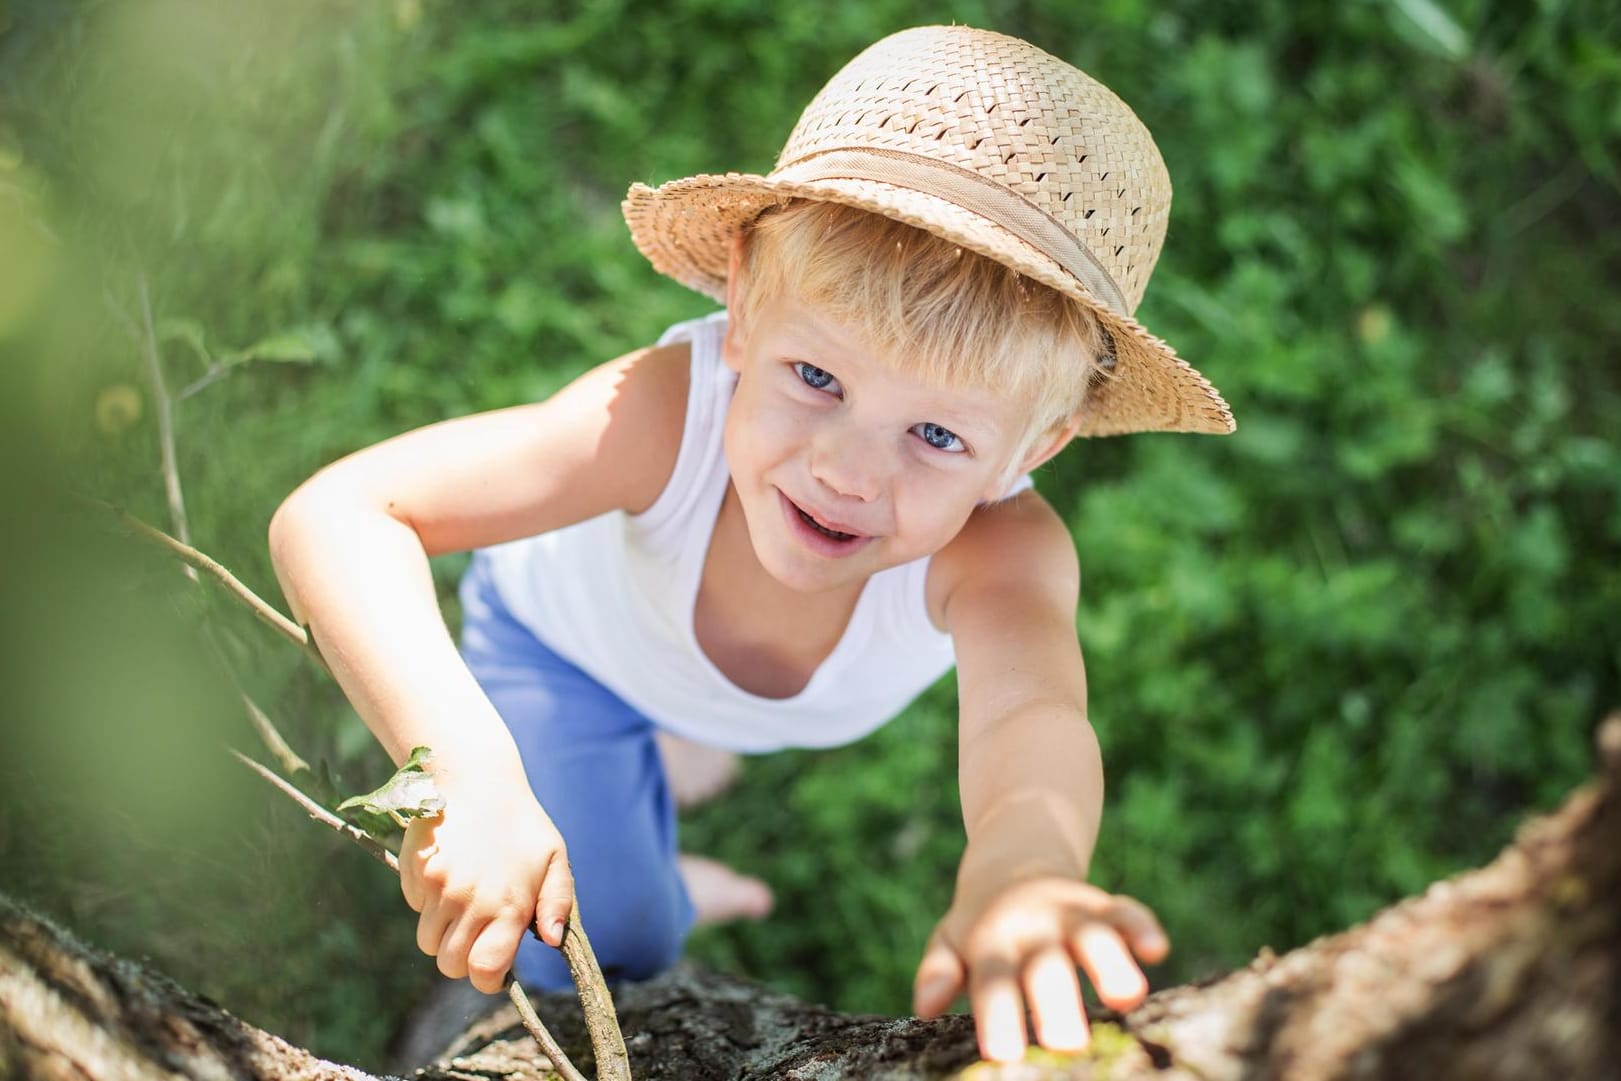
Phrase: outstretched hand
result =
(1018, 947)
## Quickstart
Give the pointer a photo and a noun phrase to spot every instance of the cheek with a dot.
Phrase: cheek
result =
(933, 513)
(757, 432)
(769, 421)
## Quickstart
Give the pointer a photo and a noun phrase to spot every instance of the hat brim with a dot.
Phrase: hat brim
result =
(685, 229)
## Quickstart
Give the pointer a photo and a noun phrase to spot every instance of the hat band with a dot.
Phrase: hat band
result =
(971, 191)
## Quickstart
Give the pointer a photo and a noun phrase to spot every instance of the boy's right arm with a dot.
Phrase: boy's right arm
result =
(351, 550)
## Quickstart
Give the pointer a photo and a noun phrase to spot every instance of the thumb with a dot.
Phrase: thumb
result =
(939, 978)
(556, 900)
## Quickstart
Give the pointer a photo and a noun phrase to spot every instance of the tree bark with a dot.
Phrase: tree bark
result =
(1502, 974)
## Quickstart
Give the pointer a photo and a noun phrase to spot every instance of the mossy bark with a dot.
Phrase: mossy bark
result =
(1509, 972)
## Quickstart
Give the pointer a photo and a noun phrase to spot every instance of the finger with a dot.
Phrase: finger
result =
(458, 939)
(556, 900)
(415, 849)
(998, 1009)
(493, 952)
(1054, 995)
(939, 979)
(1102, 952)
(437, 915)
(1140, 928)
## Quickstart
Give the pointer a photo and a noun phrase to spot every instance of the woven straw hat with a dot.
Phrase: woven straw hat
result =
(997, 146)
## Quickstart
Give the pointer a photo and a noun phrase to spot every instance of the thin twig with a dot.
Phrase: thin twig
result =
(147, 341)
(531, 1021)
(526, 1012)
(213, 375)
(278, 747)
(365, 840)
(266, 613)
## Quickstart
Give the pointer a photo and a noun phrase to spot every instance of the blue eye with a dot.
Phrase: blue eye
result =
(939, 438)
(814, 377)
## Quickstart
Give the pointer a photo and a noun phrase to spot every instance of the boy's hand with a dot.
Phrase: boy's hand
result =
(481, 874)
(1019, 946)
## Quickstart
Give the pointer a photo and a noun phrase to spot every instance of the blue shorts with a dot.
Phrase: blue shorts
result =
(593, 765)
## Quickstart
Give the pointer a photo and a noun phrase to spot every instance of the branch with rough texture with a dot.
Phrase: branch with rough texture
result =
(1501, 974)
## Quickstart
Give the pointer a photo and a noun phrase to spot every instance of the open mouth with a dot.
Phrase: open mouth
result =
(817, 526)
(822, 529)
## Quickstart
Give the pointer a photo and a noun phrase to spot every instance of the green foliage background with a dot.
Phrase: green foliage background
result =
(1332, 657)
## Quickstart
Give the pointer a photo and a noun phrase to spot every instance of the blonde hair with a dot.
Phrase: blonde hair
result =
(953, 316)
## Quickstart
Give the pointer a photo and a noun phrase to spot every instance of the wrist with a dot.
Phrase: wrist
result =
(495, 776)
(988, 860)
(1037, 827)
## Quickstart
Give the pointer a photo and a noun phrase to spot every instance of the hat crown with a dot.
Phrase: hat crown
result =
(1015, 115)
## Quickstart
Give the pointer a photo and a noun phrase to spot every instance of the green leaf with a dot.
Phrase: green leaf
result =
(409, 794)
(288, 347)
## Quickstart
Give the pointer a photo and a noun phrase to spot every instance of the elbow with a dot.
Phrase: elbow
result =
(288, 523)
(291, 528)
(303, 518)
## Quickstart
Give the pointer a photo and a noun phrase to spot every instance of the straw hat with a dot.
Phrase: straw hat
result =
(991, 143)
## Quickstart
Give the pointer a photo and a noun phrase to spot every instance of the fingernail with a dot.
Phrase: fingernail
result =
(556, 929)
(1155, 941)
(1005, 1050)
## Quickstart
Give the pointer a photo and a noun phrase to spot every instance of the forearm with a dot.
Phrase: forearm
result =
(1032, 791)
(359, 578)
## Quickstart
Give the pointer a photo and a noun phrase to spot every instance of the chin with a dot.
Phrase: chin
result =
(804, 578)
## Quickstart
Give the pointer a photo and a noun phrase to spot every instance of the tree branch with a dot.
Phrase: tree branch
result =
(372, 845)
(278, 747)
(266, 613)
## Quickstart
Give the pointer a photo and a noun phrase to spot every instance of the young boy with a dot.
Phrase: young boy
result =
(776, 527)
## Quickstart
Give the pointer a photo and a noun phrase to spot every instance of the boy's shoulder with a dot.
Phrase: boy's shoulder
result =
(644, 398)
(1015, 547)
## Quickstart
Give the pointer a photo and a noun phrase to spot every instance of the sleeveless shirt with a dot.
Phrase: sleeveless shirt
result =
(615, 596)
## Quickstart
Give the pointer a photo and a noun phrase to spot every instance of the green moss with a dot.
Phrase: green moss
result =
(1110, 1044)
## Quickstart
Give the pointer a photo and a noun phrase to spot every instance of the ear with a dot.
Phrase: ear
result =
(1055, 441)
(731, 347)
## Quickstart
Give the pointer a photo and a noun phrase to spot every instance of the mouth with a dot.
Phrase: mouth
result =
(829, 530)
(825, 531)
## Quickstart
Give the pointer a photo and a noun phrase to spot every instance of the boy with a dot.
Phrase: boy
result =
(776, 527)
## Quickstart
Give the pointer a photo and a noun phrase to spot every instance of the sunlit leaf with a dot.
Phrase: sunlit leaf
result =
(409, 794)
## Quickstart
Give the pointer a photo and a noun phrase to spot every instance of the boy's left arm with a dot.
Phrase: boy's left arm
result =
(1023, 916)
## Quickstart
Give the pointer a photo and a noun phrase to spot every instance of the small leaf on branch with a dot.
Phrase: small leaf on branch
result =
(299, 346)
(409, 794)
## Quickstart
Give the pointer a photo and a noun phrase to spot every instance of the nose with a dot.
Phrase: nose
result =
(848, 463)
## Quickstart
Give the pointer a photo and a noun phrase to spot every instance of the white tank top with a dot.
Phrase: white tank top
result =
(615, 596)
